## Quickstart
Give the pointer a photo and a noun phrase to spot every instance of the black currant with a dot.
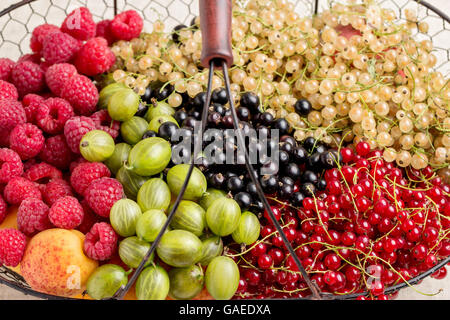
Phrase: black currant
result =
(286, 191)
(303, 107)
(257, 206)
(199, 100)
(314, 162)
(235, 184)
(251, 188)
(180, 115)
(189, 122)
(228, 121)
(142, 110)
(300, 154)
(250, 101)
(219, 95)
(193, 23)
(308, 189)
(195, 114)
(266, 118)
(247, 174)
(269, 183)
(229, 174)
(330, 158)
(320, 148)
(321, 184)
(284, 157)
(287, 180)
(243, 199)
(167, 130)
(289, 139)
(146, 97)
(297, 199)
(282, 125)
(287, 147)
(163, 93)
(218, 108)
(309, 176)
(214, 119)
(149, 134)
(292, 170)
(309, 144)
(175, 36)
(243, 113)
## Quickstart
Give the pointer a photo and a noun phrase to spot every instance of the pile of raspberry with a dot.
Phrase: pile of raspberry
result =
(375, 225)
(48, 102)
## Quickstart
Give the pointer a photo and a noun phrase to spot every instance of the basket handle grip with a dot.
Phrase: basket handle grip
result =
(215, 24)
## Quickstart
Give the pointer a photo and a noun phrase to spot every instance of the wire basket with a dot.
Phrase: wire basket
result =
(19, 19)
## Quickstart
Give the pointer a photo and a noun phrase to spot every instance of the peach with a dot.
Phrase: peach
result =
(54, 263)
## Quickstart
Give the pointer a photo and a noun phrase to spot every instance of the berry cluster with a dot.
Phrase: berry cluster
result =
(47, 103)
(375, 225)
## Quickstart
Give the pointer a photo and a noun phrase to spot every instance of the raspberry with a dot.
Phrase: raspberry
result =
(42, 173)
(81, 93)
(79, 24)
(32, 98)
(100, 242)
(30, 103)
(45, 65)
(10, 165)
(11, 114)
(85, 173)
(19, 189)
(32, 216)
(89, 219)
(66, 213)
(76, 163)
(59, 47)
(94, 57)
(39, 34)
(101, 195)
(104, 31)
(12, 247)
(74, 129)
(104, 122)
(127, 25)
(6, 66)
(28, 77)
(53, 114)
(27, 164)
(56, 152)
(31, 57)
(56, 189)
(3, 208)
(8, 91)
(57, 75)
(27, 140)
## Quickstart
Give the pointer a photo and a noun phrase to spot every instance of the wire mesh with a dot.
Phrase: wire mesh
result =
(18, 21)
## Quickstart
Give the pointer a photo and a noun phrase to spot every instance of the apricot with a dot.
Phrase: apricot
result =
(54, 263)
(11, 219)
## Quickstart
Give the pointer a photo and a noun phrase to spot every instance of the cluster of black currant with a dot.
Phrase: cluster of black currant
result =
(294, 169)
(296, 174)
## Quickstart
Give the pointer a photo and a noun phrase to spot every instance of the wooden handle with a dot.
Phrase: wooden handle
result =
(215, 23)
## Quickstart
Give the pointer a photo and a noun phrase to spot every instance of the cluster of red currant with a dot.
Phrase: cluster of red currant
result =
(374, 226)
